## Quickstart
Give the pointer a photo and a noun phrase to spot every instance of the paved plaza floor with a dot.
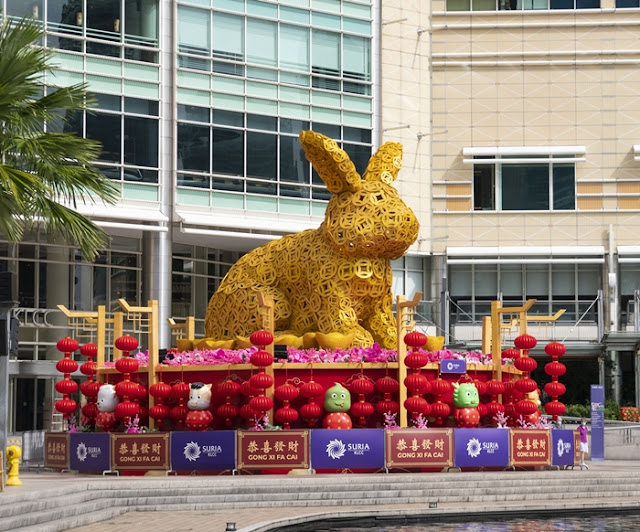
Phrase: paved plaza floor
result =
(255, 519)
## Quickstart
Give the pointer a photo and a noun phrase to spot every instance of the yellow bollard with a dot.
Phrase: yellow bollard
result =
(13, 458)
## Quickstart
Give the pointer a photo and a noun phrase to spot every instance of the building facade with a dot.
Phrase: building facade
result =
(518, 126)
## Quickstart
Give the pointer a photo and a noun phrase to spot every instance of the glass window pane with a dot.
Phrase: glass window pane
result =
(590, 279)
(141, 141)
(359, 155)
(357, 135)
(537, 281)
(458, 5)
(193, 147)
(228, 151)
(193, 113)
(483, 187)
(356, 62)
(141, 107)
(525, 187)
(261, 42)
(108, 102)
(294, 47)
(103, 19)
(106, 129)
(228, 118)
(563, 279)
(415, 283)
(326, 53)
(261, 155)
(228, 36)
(510, 280)
(564, 188)
(486, 281)
(294, 167)
(460, 281)
(20, 8)
(64, 16)
(266, 123)
(194, 32)
(484, 5)
(141, 22)
(290, 125)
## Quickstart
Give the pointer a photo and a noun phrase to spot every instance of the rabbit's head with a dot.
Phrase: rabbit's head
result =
(365, 216)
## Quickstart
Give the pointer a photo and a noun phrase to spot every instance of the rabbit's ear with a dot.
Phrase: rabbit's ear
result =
(385, 164)
(331, 162)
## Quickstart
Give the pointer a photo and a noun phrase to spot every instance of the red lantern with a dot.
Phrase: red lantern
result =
(286, 415)
(555, 388)
(126, 389)
(555, 369)
(66, 406)
(440, 386)
(180, 390)
(179, 413)
(261, 338)
(417, 383)
(311, 389)
(247, 412)
(89, 350)
(440, 410)
(526, 385)
(261, 358)
(126, 343)
(525, 407)
(495, 387)
(248, 390)
(361, 386)
(261, 381)
(525, 342)
(227, 411)
(127, 410)
(387, 385)
(415, 339)
(66, 365)
(555, 349)
(67, 345)
(387, 406)
(286, 392)
(525, 364)
(511, 353)
(481, 386)
(66, 386)
(261, 403)
(494, 408)
(90, 388)
(90, 410)
(160, 390)
(417, 405)
(416, 360)
(311, 412)
(159, 412)
(227, 388)
(555, 408)
(127, 365)
(362, 410)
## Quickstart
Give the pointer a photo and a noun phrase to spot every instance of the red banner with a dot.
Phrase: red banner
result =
(576, 447)
(530, 447)
(411, 448)
(273, 449)
(56, 450)
(140, 451)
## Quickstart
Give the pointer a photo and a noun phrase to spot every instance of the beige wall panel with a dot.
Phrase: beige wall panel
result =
(629, 203)
(458, 190)
(458, 204)
(628, 188)
(589, 188)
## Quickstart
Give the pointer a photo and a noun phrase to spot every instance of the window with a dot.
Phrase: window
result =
(569, 286)
(524, 179)
(511, 5)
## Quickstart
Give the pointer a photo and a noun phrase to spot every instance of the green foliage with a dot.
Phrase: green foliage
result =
(44, 172)
(611, 410)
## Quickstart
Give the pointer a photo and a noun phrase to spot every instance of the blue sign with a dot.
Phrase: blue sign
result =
(89, 451)
(453, 365)
(597, 422)
(352, 449)
(208, 451)
(481, 447)
(562, 447)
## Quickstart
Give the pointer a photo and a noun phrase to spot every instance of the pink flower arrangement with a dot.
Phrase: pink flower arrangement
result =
(375, 353)
(210, 357)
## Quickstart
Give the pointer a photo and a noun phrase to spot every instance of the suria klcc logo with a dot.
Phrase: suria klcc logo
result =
(82, 451)
(336, 449)
(475, 447)
(191, 451)
(562, 447)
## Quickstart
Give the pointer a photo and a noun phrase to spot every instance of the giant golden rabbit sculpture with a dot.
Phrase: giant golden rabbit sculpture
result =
(334, 279)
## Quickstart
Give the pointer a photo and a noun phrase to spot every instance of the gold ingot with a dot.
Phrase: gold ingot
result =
(243, 342)
(210, 343)
(334, 340)
(434, 343)
(184, 344)
(290, 340)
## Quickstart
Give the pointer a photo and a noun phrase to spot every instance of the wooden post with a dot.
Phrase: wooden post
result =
(267, 307)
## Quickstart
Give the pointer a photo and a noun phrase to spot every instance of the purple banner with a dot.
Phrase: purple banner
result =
(481, 447)
(208, 451)
(347, 449)
(562, 447)
(89, 451)
(597, 422)
(453, 365)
